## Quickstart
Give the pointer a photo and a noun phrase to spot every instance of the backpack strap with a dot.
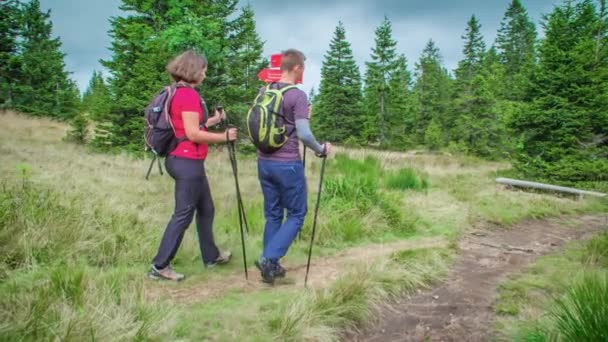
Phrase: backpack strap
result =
(173, 89)
(284, 90)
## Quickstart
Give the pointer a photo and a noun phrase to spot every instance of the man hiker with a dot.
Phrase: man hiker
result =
(281, 172)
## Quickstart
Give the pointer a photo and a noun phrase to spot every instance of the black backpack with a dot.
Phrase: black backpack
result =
(159, 133)
(265, 120)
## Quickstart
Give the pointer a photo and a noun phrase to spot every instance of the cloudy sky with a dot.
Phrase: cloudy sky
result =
(307, 25)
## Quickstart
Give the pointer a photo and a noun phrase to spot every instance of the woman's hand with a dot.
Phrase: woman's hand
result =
(218, 116)
(231, 134)
(219, 113)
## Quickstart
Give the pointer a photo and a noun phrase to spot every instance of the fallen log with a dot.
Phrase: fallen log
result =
(542, 186)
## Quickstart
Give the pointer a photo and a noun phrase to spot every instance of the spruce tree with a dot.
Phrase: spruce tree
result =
(338, 107)
(563, 137)
(78, 132)
(146, 39)
(432, 94)
(312, 95)
(473, 51)
(44, 86)
(388, 95)
(10, 60)
(433, 136)
(245, 61)
(97, 104)
(400, 113)
(478, 125)
(515, 44)
(96, 100)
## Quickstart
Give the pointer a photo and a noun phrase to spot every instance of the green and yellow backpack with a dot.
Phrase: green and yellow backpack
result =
(265, 120)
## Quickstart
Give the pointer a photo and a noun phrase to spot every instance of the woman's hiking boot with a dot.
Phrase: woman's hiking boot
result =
(166, 273)
(223, 258)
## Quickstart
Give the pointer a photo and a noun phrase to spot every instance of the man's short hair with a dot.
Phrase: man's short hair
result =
(187, 67)
(291, 58)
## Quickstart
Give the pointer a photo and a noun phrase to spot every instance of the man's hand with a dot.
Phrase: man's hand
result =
(326, 150)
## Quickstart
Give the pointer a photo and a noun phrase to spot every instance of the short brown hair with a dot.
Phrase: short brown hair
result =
(187, 67)
(291, 58)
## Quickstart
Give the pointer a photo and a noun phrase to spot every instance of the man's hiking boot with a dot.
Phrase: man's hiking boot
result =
(223, 258)
(166, 273)
(280, 271)
(270, 270)
(266, 269)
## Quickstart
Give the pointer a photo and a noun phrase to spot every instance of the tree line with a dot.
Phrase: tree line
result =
(33, 78)
(543, 103)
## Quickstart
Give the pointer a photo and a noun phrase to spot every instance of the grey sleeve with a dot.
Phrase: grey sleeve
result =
(306, 136)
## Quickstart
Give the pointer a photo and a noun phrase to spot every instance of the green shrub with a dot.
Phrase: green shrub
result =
(356, 208)
(79, 130)
(433, 137)
(353, 180)
(582, 314)
(596, 251)
(352, 142)
(406, 179)
(458, 147)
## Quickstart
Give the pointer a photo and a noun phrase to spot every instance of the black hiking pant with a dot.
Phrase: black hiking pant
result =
(192, 194)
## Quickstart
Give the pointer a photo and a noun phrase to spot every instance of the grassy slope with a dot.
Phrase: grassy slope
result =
(527, 302)
(100, 222)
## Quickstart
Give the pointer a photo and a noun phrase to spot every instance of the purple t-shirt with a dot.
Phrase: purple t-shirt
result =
(295, 107)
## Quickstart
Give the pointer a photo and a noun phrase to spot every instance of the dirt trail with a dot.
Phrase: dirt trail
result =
(460, 309)
(323, 272)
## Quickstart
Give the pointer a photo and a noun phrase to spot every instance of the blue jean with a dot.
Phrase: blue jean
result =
(284, 188)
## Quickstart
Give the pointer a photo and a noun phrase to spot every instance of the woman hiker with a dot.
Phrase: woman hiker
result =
(186, 165)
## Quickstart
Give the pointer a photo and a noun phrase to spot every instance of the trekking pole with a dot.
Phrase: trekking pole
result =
(314, 222)
(150, 168)
(241, 208)
(239, 198)
(304, 167)
(160, 168)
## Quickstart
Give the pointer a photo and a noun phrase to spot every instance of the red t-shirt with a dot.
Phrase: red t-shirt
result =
(186, 99)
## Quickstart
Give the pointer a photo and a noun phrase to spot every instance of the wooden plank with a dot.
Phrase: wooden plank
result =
(542, 186)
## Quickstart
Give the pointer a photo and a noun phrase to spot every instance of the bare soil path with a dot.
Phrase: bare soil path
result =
(460, 309)
(323, 271)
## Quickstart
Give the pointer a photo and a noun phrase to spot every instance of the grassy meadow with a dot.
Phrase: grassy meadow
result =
(561, 297)
(78, 230)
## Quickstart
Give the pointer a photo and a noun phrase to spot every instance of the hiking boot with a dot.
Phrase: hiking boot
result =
(268, 270)
(279, 270)
(166, 273)
(223, 258)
